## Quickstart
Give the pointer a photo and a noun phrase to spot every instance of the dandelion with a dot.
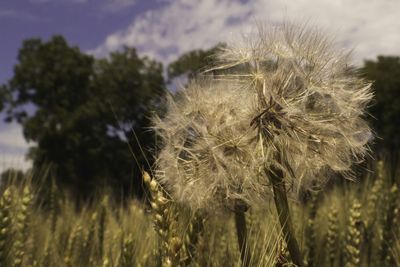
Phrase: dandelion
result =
(210, 152)
(310, 102)
(286, 110)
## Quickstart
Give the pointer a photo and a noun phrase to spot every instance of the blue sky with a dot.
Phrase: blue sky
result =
(163, 29)
(83, 23)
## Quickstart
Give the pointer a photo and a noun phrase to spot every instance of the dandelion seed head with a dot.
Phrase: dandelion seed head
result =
(210, 152)
(311, 103)
(286, 99)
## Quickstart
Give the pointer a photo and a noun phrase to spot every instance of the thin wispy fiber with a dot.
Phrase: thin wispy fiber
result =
(283, 98)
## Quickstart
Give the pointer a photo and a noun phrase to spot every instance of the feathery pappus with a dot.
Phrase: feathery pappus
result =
(284, 98)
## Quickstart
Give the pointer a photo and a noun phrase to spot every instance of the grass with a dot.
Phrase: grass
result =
(354, 225)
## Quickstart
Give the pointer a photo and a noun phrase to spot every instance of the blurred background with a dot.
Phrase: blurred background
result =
(79, 79)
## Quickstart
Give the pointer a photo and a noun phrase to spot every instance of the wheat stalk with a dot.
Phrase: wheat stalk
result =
(5, 227)
(164, 223)
(353, 238)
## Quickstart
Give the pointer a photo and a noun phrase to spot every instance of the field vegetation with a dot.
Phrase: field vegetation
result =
(350, 225)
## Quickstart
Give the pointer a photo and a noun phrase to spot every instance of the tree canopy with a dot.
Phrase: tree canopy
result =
(81, 112)
(385, 74)
(192, 62)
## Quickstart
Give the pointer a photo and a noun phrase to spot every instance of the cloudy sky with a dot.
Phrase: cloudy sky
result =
(163, 29)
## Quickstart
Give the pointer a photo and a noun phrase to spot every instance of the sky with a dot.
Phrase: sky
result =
(164, 29)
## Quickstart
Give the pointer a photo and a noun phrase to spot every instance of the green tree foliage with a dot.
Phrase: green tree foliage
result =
(385, 72)
(132, 88)
(192, 62)
(81, 111)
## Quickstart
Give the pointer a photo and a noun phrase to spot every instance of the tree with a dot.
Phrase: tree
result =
(192, 62)
(385, 74)
(72, 106)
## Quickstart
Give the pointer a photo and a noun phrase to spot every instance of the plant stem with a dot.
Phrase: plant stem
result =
(282, 207)
(241, 231)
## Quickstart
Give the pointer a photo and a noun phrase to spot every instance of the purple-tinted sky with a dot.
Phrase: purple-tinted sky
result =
(163, 29)
(83, 23)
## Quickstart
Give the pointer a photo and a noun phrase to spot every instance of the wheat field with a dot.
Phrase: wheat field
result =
(351, 225)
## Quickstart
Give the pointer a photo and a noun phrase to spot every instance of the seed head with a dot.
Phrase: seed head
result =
(286, 99)
(209, 152)
(310, 100)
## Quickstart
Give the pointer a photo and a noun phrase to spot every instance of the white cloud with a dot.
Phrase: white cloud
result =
(181, 26)
(13, 148)
(371, 27)
(11, 136)
(9, 161)
(118, 5)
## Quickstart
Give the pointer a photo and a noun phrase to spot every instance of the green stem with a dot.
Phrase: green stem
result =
(282, 207)
(192, 237)
(241, 231)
